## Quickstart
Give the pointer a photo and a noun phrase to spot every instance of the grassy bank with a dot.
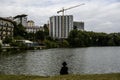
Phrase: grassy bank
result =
(20, 77)
(64, 77)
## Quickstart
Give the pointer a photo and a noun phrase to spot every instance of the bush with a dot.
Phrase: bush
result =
(86, 39)
(20, 45)
(7, 40)
(51, 44)
(0, 47)
(64, 43)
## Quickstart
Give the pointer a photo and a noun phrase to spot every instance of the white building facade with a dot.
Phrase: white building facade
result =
(60, 26)
(30, 23)
(33, 29)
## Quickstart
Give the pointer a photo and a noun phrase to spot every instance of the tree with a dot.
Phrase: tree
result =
(73, 38)
(111, 42)
(19, 30)
(46, 30)
(84, 39)
(7, 40)
(117, 39)
(15, 33)
(40, 35)
(0, 47)
(102, 39)
(64, 43)
(51, 44)
(114, 39)
(31, 36)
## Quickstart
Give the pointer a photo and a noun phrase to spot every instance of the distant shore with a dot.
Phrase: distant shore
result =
(112, 76)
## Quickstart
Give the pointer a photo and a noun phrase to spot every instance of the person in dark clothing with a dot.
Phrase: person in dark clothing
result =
(64, 69)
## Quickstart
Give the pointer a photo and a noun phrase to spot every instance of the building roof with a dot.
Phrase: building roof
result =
(30, 21)
(22, 15)
(78, 22)
(6, 19)
(60, 15)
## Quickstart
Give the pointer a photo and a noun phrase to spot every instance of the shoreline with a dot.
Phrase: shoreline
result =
(110, 76)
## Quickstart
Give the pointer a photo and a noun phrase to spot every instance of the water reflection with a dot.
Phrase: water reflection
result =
(48, 62)
(77, 62)
(13, 64)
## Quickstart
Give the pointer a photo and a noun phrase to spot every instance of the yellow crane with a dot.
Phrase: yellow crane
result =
(63, 10)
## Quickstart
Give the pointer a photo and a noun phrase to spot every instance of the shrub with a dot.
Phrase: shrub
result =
(0, 47)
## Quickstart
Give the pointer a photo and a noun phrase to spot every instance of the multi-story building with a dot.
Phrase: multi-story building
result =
(6, 28)
(21, 19)
(60, 26)
(31, 28)
(78, 25)
(30, 23)
(41, 28)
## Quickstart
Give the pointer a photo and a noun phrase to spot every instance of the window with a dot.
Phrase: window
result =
(4, 32)
(8, 33)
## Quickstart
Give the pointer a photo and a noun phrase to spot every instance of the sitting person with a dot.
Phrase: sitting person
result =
(64, 69)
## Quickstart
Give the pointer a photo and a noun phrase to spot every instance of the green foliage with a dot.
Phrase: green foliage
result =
(49, 38)
(7, 40)
(22, 46)
(84, 39)
(31, 36)
(46, 30)
(18, 38)
(114, 39)
(63, 43)
(0, 47)
(111, 42)
(19, 30)
(78, 39)
(50, 44)
(73, 38)
(40, 35)
(19, 44)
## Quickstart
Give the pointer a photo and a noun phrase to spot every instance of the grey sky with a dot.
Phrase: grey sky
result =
(98, 15)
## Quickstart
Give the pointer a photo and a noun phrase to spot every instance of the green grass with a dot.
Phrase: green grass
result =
(115, 76)
(19, 77)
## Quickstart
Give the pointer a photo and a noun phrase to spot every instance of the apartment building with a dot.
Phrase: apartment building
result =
(60, 26)
(30, 23)
(6, 28)
(31, 28)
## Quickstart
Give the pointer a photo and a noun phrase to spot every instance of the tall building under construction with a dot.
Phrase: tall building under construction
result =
(60, 26)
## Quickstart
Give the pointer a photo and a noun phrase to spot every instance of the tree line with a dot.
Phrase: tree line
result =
(76, 38)
(86, 38)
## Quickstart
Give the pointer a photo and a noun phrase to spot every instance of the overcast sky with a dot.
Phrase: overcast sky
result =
(98, 15)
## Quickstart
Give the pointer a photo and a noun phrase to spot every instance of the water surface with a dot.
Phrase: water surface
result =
(90, 60)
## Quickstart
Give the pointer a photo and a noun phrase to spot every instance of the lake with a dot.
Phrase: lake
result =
(91, 60)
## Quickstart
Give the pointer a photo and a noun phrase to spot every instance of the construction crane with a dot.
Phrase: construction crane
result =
(63, 10)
